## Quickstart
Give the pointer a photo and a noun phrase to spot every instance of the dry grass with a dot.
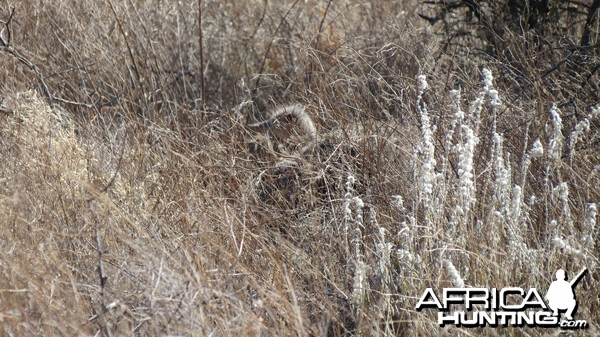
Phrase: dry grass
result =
(126, 209)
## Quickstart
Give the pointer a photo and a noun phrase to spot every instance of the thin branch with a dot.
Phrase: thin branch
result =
(7, 48)
(119, 162)
(129, 50)
(556, 66)
(592, 14)
(82, 67)
(102, 278)
(201, 43)
(262, 65)
(321, 23)
(260, 21)
(5, 41)
(16, 54)
(66, 101)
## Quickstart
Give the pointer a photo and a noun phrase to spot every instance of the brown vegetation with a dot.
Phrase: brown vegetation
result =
(131, 205)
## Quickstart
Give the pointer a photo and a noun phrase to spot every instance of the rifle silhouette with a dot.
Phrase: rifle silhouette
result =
(575, 279)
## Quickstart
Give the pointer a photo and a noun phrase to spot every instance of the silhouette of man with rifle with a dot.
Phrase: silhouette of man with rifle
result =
(561, 296)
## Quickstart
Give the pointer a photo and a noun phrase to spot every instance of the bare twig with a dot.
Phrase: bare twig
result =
(556, 66)
(66, 101)
(260, 21)
(82, 67)
(119, 162)
(102, 278)
(201, 43)
(101, 275)
(587, 30)
(321, 24)
(16, 54)
(5, 39)
(5, 34)
(264, 61)
(129, 50)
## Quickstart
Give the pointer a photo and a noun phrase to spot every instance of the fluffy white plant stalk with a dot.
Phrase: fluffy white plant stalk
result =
(398, 202)
(579, 131)
(583, 250)
(359, 288)
(466, 147)
(567, 247)
(384, 252)
(406, 236)
(457, 119)
(560, 198)
(360, 285)
(508, 201)
(519, 212)
(408, 225)
(347, 220)
(502, 190)
(455, 278)
(589, 235)
(466, 184)
(358, 228)
(515, 228)
(536, 151)
(458, 116)
(426, 154)
(474, 117)
(556, 141)
(353, 226)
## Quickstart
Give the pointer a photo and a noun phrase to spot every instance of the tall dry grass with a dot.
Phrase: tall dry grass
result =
(126, 209)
